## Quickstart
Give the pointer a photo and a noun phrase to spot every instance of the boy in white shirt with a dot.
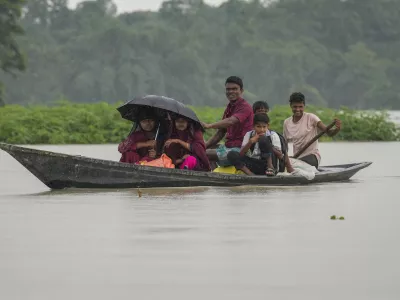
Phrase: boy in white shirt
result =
(257, 148)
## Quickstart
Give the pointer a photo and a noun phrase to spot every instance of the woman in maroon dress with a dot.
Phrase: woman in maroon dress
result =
(141, 144)
(186, 146)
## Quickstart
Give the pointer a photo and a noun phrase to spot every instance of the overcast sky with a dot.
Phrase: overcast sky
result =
(130, 5)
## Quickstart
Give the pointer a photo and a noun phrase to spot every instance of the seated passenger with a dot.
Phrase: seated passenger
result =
(258, 146)
(236, 121)
(141, 144)
(186, 146)
(282, 156)
(260, 107)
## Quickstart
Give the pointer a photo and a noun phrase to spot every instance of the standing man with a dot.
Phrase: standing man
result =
(236, 121)
(303, 127)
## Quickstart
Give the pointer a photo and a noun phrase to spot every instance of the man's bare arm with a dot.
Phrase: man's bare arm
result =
(333, 131)
(223, 124)
(218, 136)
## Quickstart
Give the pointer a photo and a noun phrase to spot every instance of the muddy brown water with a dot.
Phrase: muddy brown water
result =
(204, 243)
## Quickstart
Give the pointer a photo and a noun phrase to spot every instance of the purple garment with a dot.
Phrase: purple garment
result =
(197, 145)
(243, 111)
(130, 154)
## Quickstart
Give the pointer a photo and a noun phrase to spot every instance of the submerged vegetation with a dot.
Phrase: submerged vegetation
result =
(72, 123)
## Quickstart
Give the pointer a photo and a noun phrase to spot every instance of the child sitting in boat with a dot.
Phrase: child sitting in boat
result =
(186, 146)
(141, 144)
(282, 155)
(255, 157)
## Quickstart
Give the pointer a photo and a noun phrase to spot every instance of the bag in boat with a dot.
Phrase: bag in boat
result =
(227, 170)
(163, 162)
(303, 169)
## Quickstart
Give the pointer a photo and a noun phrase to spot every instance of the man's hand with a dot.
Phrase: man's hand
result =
(336, 129)
(333, 131)
(205, 125)
(338, 124)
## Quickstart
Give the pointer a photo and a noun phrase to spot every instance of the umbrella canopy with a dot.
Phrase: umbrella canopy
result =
(130, 109)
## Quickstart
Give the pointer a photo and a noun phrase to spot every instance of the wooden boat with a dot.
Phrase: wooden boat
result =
(58, 171)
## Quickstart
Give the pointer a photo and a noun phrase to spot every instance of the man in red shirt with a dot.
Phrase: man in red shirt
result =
(236, 121)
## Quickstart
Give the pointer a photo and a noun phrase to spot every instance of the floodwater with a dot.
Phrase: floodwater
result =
(204, 243)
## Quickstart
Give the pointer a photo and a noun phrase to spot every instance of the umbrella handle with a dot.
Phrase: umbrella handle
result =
(158, 129)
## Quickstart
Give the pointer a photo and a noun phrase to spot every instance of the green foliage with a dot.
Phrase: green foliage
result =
(339, 53)
(71, 123)
(10, 57)
(62, 124)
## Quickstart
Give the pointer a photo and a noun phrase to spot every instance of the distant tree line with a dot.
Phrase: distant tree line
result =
(337, 52)
(11, 59)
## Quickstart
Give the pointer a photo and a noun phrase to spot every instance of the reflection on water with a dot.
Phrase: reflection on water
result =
(135, 191)
(200, 242)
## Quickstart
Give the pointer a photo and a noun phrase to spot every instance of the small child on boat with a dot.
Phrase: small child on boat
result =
(186, 146)
(258, 146)
(263, 107)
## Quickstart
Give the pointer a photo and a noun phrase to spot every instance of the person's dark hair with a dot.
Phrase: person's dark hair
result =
(175, 116)
(146, 113)
(235, 80)
(297, 97)
(192, 124)
(260, 104)
(260, 118)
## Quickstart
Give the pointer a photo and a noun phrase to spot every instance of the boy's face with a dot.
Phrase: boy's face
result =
(297, 108)
(261, 110)
(261, 127)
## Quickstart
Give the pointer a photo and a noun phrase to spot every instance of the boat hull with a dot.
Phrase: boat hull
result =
(59, 171)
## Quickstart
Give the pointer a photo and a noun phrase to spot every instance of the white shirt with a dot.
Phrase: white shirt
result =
(276, 143)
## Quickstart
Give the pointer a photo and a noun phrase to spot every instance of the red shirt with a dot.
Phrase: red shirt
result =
(243, 111)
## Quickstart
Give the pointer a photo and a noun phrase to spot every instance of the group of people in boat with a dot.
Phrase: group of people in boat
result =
(250, 144)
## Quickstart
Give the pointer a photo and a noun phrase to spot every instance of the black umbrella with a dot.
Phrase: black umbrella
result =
(130, 109)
